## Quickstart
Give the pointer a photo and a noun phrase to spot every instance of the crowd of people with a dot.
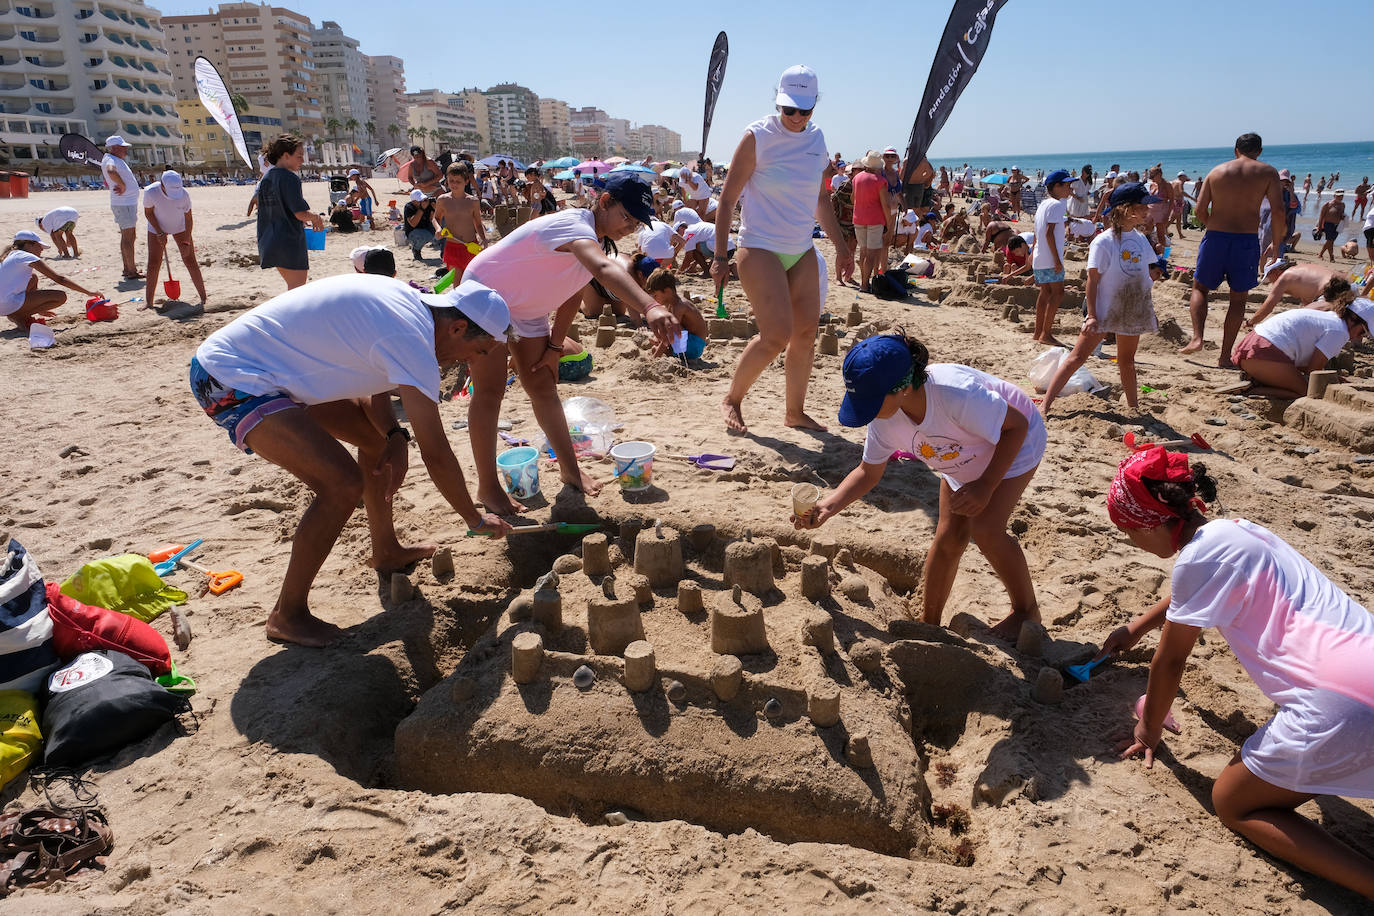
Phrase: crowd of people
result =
(290, 382)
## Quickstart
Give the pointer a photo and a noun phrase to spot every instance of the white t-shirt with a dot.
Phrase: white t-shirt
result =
(779, 201)
(1049, 217)
(1289, 626)
(1299, 333)
(130, 196)
(696, 186)
(837, 181)
(656, 241)
(1077, 202)
(908, 222)
(347, 336)
(703, 233)
(1124, 287)
(526, 269)
(1369, 219)
(712, 205)
(170, 211)
(1082, 228)
(965, 409)
(925, 234)
(15, 272)
(57, 218)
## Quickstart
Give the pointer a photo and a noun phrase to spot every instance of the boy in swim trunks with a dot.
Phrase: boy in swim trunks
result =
(1228, 207)
(1329, 221)
(460, 214)
(662, 287)
(367, 198)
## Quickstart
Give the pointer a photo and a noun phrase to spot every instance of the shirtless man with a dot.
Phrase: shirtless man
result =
(996, 236)
(1303, 282)
(1229, 210)
(424, 172)
(1361, 198)
(955, 225)
(1329, 221)
(461, 214)
(1180, 196)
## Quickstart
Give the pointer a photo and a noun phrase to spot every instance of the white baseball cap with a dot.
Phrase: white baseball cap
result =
(352, 172)
(798, 87)
(417, 195)
(359, 255)
(677, 205)
(28, 235)
(1276, 264)
(1365, 309)
(172, 185)
(115, 140)
(482, 306)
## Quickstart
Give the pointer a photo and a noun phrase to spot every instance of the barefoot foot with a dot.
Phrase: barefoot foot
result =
(1191, 346)
(499, 502)
(303, 629)
(397, 556)
(802, 421)
(734, 419)
(582, 481)
(1010, 628)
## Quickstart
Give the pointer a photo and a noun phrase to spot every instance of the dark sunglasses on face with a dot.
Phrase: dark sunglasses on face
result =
(793, 112)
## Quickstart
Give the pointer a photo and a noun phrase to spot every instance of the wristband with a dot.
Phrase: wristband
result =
(552, 346)
(398, 428)
(720, 257)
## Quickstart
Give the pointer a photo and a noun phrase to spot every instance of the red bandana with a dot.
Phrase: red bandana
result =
(1130, 504)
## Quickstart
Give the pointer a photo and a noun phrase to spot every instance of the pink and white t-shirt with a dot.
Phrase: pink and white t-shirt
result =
(965, 409)
(529, 271)
(1308, 646)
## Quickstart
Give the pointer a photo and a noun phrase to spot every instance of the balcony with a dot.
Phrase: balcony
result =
(11, 82)
(56, 107)
(45, 60)
(34, 12)
(50, 85)
(14, 106)
(84, 14)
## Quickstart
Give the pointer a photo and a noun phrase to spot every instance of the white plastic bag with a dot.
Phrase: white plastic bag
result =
(1045, 365)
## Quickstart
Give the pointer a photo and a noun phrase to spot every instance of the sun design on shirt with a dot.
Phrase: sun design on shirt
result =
(1130, 256)
(928, 451)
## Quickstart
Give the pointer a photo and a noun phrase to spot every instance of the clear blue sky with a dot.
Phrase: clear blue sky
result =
(1293, 72)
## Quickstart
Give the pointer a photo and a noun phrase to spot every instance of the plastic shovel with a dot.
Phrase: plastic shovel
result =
(168, 565)
(709, 462)
(169, 286)
(560, 527)
(217, 583)
(721, 310)
(1080, 673)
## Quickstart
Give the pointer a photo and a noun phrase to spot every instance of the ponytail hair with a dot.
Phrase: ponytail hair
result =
(920, 358)
(1180, 495)
(1116, 218)
(1335, 296)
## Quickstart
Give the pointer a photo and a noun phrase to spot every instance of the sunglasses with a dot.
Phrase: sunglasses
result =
(793, 112)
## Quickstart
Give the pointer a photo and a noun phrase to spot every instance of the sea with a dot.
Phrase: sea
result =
(1352, 160)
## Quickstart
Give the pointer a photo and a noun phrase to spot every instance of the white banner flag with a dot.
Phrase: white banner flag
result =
(214, 95)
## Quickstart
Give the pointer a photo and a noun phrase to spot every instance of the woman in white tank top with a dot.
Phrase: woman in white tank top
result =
(780, 173)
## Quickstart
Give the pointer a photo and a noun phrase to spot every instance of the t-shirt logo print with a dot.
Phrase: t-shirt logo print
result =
(944, 451)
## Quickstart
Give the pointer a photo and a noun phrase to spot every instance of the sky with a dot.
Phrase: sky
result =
(1058, 76)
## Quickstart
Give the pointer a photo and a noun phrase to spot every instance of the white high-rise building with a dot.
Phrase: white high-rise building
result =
(341, 75)
(81, 66)
(386, 85)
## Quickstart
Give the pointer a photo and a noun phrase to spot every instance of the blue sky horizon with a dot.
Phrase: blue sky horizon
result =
(1023, 100)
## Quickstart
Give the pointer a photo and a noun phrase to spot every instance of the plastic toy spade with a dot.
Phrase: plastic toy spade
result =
(1081, 673)
(709, 462)
(168, 565)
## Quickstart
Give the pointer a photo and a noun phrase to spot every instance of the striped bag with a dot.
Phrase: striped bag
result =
(27, 655)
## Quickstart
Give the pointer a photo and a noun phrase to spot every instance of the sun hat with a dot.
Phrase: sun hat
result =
(871, 369)
(1183, 174)
(1285, 175)
(797, 87)
(352, 172)
(1132, 192)
(114, 140)
(482, 306)
(871, 161)
(417, 195)
(1059, 176)
(890, 152)
(172, 185)
(28, 235)
(631, 193)
(1339, 192)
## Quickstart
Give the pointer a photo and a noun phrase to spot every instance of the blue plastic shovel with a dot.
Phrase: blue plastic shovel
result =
(1082, 672)
(169, 565)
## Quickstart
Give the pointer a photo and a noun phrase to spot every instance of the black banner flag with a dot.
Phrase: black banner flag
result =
(77, 149)
(715, 75)
(957, 57)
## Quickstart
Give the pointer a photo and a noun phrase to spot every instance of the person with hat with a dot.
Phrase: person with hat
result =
(310, 372)
(60, 225)
(1228, 208)
(283, 213)
(541, 269)
(123, 187)
(367, 197)
(1283, 350)
(696, 190)
(21, 301)
(1300, 637)
(167, 207)
(980, 434)
(1047, 254)
(373, 259)
(1122, 270)
(418, 220)
(780, 170)
(872, 216)
(1329, 223)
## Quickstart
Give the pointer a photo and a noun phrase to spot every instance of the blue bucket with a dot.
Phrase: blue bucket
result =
(314, 240)
(518, 469)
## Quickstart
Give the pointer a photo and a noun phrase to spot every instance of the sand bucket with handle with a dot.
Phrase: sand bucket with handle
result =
(169, 286)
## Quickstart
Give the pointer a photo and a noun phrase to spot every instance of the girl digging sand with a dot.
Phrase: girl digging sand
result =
(1122, 269)
(979, 433)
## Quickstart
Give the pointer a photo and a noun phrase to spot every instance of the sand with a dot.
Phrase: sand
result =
(280, 796)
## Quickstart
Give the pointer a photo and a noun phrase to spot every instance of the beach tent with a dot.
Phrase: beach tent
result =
(565, 175)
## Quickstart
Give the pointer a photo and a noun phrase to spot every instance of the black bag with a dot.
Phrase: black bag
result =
(100, 702)
(890, 284)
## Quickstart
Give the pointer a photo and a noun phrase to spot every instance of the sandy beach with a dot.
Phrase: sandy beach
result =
(282, 794)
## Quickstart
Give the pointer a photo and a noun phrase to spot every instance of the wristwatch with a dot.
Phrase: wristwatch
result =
(398, 428)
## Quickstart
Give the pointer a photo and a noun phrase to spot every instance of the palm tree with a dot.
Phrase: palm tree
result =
(394, 131)
(239, 101)
(331, 126)
(411, 134)
(422, 132)
(352, 125)
(371, 128)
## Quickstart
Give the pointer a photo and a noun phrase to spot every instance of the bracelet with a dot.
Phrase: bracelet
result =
(558, 347)
(398, 428)
(720, 257)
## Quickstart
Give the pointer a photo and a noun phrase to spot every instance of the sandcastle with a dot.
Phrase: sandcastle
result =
(732, 682)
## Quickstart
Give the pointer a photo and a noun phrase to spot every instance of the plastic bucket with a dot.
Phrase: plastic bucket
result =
(314, 239)
(101, 310)
(634, 465)
(519, 471)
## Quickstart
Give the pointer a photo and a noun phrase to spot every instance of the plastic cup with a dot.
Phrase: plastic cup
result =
(634, 465)
(518, 469)
(804, 497)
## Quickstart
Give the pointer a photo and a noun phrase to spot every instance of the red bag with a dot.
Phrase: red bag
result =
(78, 628)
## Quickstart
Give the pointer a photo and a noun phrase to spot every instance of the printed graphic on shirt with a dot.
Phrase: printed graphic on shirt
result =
(940, 452)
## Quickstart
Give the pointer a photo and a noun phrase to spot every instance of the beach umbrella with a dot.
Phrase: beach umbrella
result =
(495, 159)
(995, 178)
(565, 175)
(593, 164)
(616, 160)
(566, 162)
(648, 173)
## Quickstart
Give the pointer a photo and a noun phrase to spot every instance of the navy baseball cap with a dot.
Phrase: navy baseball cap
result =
(645, 265)
(1058, 176)
(635, 195)
(871, 369)
(1132, 192)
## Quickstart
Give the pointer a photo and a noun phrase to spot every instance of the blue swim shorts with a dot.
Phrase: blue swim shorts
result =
(1230, 256)
(1048, 275)
(236, 412)
(695, 346)
(365, 205)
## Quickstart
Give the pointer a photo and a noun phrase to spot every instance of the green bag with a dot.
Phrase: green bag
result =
(20, 738)
(127, 584)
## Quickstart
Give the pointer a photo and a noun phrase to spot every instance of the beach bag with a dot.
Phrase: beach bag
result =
(127, 584)
(890, 284)
(398, 236)
(27, 654)
(81, 627)
(100, 702)
(20, 738)
(1044, 366)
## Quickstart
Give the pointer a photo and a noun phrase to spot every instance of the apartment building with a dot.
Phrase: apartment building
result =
(444, 119)
(208, 143)
(386, 86)
(341, 79)
(654, 140)
(556, 134)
